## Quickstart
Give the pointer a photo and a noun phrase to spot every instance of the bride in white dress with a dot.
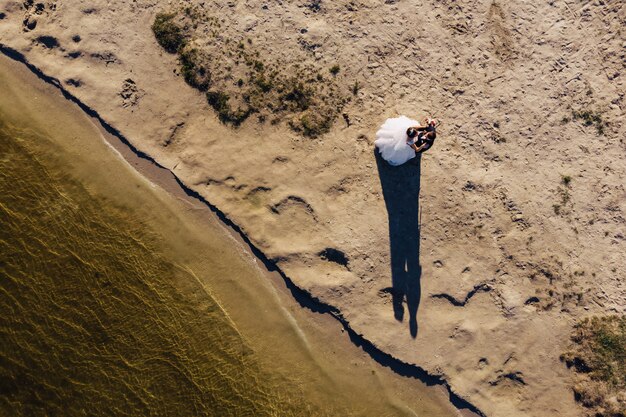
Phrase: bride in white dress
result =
(397, 143)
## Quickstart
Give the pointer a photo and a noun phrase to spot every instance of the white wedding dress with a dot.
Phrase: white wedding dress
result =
(391, 140)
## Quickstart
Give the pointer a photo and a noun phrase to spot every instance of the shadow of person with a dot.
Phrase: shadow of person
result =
(401, 188)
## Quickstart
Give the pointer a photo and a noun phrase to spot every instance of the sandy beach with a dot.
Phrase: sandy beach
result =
(232, 310)
(472, 264)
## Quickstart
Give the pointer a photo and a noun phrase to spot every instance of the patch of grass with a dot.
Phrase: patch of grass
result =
(563, 191)
(265, 84)
(355, 88)
(218, 100)
(167, 33)
(590, 118)
(299, 95)
(315, 5)
(195, 74)
(220, 103)
(258, 66)
(599, 358)
(566, 180)
(238, 82)
(312, 124)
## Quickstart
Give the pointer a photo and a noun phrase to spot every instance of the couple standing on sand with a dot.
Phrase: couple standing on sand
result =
(400, 139)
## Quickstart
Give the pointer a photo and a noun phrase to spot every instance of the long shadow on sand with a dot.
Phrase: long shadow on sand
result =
(401, 188)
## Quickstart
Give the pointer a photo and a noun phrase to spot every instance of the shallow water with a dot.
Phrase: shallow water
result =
(117, 300)
(94, 320)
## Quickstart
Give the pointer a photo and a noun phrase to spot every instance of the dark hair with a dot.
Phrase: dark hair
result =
(411, 132)
(432, 130)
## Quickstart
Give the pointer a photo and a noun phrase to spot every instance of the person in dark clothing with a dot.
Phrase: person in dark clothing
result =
(422, 138)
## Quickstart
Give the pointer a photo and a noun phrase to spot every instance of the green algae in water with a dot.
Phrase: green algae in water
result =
(95, 319)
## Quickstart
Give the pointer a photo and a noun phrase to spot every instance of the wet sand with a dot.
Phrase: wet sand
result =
(282, 358)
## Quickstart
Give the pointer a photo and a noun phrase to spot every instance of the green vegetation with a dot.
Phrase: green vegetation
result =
(312, 124)
(258, 66)
(599, 358)
(566, 179)
(218, 100)
(355, 88)
(169, 35)
(265, 84)
(220, 103)
(298, 95)
(239, 83)
(194, 74)
(563, 192)
(590, 118)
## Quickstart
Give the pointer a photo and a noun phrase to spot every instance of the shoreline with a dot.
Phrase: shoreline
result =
(154, 172)
(521, 190)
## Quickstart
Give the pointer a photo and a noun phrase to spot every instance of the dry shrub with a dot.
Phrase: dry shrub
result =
(599, 359)
(239, 82)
